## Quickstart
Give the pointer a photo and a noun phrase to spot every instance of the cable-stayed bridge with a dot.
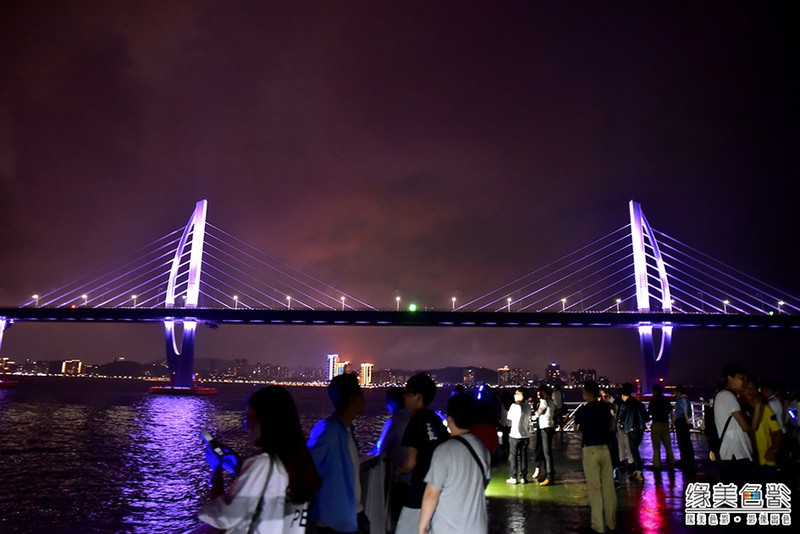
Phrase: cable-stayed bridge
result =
(634, 277)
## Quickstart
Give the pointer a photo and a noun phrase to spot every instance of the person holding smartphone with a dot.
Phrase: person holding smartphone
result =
(274, 487)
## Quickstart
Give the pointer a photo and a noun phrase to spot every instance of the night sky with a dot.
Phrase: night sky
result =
(426, 149)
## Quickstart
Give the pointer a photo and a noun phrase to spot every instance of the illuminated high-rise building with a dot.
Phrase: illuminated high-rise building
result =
(6, 365)
(519, 376)
(71, 367)
(503, 376)
(469, 376)
(579, 377)
(333, 359)
(553, 373)
(341, 368)
(366, 374)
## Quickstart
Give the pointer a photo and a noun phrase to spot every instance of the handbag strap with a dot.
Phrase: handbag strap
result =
(474, 455)
(260, 505)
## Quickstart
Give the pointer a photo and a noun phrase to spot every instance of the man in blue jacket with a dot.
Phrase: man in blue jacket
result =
(337, 507)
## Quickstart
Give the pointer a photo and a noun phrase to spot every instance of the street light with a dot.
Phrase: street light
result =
(780, 303)
(563, 305)
(454, 303)
(725, 306)
(618, 301)
(508, 303)
(342, 303)
(134, 300)
(36, 298)
(288, 302)
(85, 299)
(236, 302)
(397, 302)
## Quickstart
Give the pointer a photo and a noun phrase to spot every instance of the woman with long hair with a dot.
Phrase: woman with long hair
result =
(272, 491)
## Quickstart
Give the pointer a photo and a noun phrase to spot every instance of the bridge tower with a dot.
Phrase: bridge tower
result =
(181, 360)
(656, 361)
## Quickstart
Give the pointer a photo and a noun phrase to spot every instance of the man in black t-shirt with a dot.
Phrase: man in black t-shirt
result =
(593, 419)
(424, 432)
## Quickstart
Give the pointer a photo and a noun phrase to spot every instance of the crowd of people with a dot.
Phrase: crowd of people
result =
(439, 469)
(753, 429)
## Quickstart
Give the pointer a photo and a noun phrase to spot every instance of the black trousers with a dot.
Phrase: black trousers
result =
(634, 440)
(518, 457)
(684, 442)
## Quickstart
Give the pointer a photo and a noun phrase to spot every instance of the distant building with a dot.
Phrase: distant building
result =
(236, 369)
(552, 373)
(520, 376)
(366, 374)
(385, 376)
(333, 360)
(469, 376)
(342, 368)
(36, 366)
(504, 376)
(7, 366)
(580, 376)
(71, 367)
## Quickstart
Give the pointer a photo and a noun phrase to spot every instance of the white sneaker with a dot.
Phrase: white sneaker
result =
(511, 480)
(535, 473)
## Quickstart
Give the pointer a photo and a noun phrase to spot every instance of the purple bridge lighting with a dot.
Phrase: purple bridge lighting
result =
(634, 277)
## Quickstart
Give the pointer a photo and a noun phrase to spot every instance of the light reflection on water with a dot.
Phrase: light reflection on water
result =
(663, 493)
(104, 456)
(163, 459)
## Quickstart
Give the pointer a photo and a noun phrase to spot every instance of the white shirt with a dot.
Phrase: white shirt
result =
(735, 442)
(519, 418)
(545, 413)
(234, 511)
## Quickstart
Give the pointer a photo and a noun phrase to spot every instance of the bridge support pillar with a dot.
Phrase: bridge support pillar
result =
(181, 361)
(4, 323)
(656, 362)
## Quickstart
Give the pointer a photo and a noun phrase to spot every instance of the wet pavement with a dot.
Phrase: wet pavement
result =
(655, 505)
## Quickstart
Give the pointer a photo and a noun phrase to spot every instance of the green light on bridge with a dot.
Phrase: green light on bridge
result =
(412, 307)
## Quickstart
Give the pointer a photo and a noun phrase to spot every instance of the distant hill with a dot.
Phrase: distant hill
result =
(123, 368)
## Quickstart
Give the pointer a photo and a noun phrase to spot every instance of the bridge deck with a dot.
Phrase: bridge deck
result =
(219, 316)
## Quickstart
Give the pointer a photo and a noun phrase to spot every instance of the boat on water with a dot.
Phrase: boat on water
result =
(8, 384)
(194, 389)
(174, 390)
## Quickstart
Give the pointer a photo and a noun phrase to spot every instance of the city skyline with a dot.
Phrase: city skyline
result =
(243, 370)
(426, 152)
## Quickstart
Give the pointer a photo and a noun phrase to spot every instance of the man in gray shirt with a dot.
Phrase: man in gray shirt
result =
(454, 500)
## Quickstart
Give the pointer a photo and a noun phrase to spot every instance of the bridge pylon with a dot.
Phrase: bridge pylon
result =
(656, 360)
(181, 360)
